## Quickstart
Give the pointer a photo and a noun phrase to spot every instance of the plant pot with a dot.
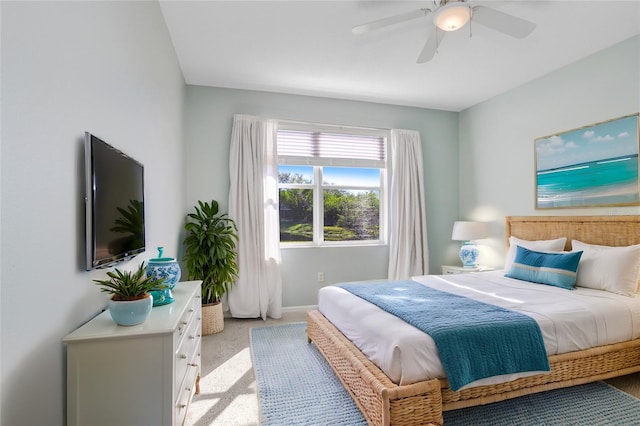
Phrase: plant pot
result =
(212, 319)
(130, 312)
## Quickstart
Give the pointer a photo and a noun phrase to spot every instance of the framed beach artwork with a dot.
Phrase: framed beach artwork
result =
(596, 165)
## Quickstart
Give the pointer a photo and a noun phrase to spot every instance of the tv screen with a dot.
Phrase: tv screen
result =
(115, 226)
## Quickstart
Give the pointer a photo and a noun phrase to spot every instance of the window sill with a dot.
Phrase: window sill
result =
(336, 245)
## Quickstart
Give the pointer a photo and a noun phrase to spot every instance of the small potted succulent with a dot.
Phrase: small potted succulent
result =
(131, 301)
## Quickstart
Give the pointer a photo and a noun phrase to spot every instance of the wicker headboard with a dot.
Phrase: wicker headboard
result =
(603, 230)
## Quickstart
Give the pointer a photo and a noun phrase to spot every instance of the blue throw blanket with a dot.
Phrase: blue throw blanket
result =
(475, 340)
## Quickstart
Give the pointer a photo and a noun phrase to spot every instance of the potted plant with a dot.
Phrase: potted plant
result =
(131, 302)
(211, 256)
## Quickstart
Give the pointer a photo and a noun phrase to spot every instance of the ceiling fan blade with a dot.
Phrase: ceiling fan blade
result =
(391, 20)
(431, 46)
(503, 22)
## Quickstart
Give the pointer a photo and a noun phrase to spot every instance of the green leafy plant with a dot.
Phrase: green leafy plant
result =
(129, 285)
(210, 250)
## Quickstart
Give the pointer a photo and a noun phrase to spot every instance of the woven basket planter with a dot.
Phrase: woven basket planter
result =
(212, 319)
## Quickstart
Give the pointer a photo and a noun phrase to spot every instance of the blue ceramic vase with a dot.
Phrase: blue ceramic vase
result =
(167, 268)
(469, 255)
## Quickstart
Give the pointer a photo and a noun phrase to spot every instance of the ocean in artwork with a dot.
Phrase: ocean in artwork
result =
(605, 181)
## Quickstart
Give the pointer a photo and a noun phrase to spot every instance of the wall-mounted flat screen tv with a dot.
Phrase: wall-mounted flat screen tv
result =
(114, 200)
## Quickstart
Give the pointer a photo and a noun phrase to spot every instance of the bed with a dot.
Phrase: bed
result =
(384, 402)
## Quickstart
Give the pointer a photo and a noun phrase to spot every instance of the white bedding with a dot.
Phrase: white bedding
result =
(569, 321)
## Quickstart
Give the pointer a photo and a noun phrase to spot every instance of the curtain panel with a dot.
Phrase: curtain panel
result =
(408, 251)
(253, 204)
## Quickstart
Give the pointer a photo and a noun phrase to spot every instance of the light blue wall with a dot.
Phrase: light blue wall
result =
(497, 173)
(209, 115)
(67, 68)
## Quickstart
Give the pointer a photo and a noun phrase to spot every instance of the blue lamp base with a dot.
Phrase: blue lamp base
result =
(469, 255)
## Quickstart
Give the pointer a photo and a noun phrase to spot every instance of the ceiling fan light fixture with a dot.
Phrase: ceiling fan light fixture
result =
(452, 16)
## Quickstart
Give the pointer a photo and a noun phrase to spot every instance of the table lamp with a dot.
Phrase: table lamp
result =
(467, 232)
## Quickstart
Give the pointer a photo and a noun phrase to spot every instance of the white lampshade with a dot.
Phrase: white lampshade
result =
(467, 231)
(452, 16)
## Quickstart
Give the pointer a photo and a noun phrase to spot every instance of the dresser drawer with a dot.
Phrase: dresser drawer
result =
(187, 318)
(186, 352)
(185, 395)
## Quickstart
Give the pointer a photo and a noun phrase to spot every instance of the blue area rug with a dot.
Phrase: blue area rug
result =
(296, 386)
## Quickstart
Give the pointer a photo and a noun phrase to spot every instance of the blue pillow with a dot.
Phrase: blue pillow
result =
(556, 269)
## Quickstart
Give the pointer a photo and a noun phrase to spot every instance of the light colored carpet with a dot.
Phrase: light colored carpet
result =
(227, 388)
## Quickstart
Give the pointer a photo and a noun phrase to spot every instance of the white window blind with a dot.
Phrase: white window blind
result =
(327, 148)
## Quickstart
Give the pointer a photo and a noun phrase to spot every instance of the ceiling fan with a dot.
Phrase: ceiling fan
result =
(451, 15)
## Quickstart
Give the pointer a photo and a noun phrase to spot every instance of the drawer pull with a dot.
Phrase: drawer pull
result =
(184, 322)
(182, 405)
(187, 389)
(192, 365)
(190, 310)
(183, 356)
(192, 337)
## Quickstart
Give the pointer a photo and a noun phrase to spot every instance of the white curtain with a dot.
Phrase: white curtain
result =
(408, 252)
(253, 204)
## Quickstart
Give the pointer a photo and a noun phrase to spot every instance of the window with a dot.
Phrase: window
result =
(332, 185)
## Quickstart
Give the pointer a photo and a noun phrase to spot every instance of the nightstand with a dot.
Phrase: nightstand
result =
(450, 269)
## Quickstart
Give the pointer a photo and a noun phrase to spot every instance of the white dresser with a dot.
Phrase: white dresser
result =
(143, 375)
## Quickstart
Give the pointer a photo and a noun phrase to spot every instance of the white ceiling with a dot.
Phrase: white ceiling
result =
(306, 47)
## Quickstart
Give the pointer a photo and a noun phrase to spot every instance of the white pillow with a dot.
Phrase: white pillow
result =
(536, 245)
(613, 269)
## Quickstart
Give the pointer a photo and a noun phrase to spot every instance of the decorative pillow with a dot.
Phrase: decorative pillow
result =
(556, 269)
(556, 245)
(613, 269)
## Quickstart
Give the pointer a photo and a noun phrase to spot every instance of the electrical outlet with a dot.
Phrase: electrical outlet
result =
(320, 277)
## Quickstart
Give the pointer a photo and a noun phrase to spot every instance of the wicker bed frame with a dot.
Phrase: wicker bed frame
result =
(383, 402)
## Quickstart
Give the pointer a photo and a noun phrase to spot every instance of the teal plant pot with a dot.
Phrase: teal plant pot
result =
(130, 312)
(168, 269)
